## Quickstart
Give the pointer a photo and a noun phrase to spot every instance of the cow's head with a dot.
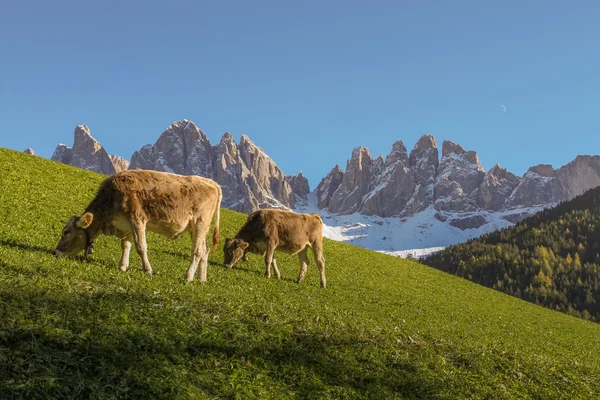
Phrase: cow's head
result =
(233, 251)
(75, 237)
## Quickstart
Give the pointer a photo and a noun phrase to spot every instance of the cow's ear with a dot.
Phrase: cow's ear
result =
(227, 241)
(85, 220)
(243, 245)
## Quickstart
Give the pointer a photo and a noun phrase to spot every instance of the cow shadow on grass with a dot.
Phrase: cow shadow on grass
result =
(22, 246)
(261, 272)
(97, 347)
(239, 266)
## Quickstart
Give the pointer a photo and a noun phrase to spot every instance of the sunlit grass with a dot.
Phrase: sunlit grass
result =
(384, 327)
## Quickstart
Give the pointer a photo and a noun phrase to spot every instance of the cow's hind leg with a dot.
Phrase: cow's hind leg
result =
(303, 258)
(126, 247)
(139, 238)
(317, 249)
(269, 258)
(199, 253)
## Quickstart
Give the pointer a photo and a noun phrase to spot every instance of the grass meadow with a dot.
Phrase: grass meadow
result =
(385, 328)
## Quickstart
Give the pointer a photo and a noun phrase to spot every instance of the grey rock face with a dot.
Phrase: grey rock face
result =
(424, 163)
(29, 151)
(498, 184)
(394, 185)
(120, 163)
(249, 178)
(580, 175)
(459, 174)
(268, 182)
(299, 185)
(328, 186)
(537, 187)
(472, 222)
(356, 182)
(182, 149)
(403, 186)
(86, 153)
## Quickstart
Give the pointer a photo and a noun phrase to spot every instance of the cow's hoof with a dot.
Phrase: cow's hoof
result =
(123, 268)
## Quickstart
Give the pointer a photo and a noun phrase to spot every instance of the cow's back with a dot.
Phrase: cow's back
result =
(288, 227)
(157, 195)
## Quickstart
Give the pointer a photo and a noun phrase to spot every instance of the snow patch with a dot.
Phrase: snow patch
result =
(419, 234)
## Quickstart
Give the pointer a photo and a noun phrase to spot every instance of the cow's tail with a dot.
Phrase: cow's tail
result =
(217, 212)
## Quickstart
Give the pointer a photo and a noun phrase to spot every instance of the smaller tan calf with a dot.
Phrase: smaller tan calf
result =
(268, 230)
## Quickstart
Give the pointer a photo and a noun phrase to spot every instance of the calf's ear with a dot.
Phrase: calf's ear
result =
(85, 220)
(243, 245)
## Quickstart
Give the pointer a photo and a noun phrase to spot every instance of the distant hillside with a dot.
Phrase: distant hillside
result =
(551, 259)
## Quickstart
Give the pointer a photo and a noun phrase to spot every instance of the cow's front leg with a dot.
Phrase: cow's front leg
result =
(277, 274)
(269, 258)
(126, 247)
(139, 238)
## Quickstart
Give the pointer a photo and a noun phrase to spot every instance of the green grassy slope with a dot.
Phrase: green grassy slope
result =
(384, 327)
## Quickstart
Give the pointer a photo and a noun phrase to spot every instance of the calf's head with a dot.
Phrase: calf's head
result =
(233, 251)
(75, 237)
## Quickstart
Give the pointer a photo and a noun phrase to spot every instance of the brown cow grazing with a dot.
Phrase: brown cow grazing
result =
(268, 230)
(129, 202)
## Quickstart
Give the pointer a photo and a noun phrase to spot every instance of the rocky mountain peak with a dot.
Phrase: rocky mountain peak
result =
(328, 185)
(182, 148)
(398, 153)
(449, 147)
(299, 185)
(120, 163)
(250, 179)
(87, 153)
(425, 142)
(360, 156)
(245, 140)
(544, 170)
(227, 138)
(424, 162)
(497, 185)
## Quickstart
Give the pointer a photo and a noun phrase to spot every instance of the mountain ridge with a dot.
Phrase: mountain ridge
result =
(402, 185)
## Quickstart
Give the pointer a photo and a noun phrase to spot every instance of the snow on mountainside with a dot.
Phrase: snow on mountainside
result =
(415, 234)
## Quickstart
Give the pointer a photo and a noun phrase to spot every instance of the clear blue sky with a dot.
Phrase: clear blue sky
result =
(308, 80)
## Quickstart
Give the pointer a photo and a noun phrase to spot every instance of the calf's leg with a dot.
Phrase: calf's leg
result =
(139, 238)
(303, 258)
(126, 247)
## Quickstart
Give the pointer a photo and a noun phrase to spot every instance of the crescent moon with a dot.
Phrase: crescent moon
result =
(503, 107)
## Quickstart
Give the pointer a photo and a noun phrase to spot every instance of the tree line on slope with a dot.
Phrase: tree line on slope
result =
(551, 259)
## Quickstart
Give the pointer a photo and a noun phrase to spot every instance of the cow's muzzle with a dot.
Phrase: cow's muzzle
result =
(228, 265)
(57, 253)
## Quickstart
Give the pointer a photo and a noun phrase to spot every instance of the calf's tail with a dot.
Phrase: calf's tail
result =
(217, 212)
